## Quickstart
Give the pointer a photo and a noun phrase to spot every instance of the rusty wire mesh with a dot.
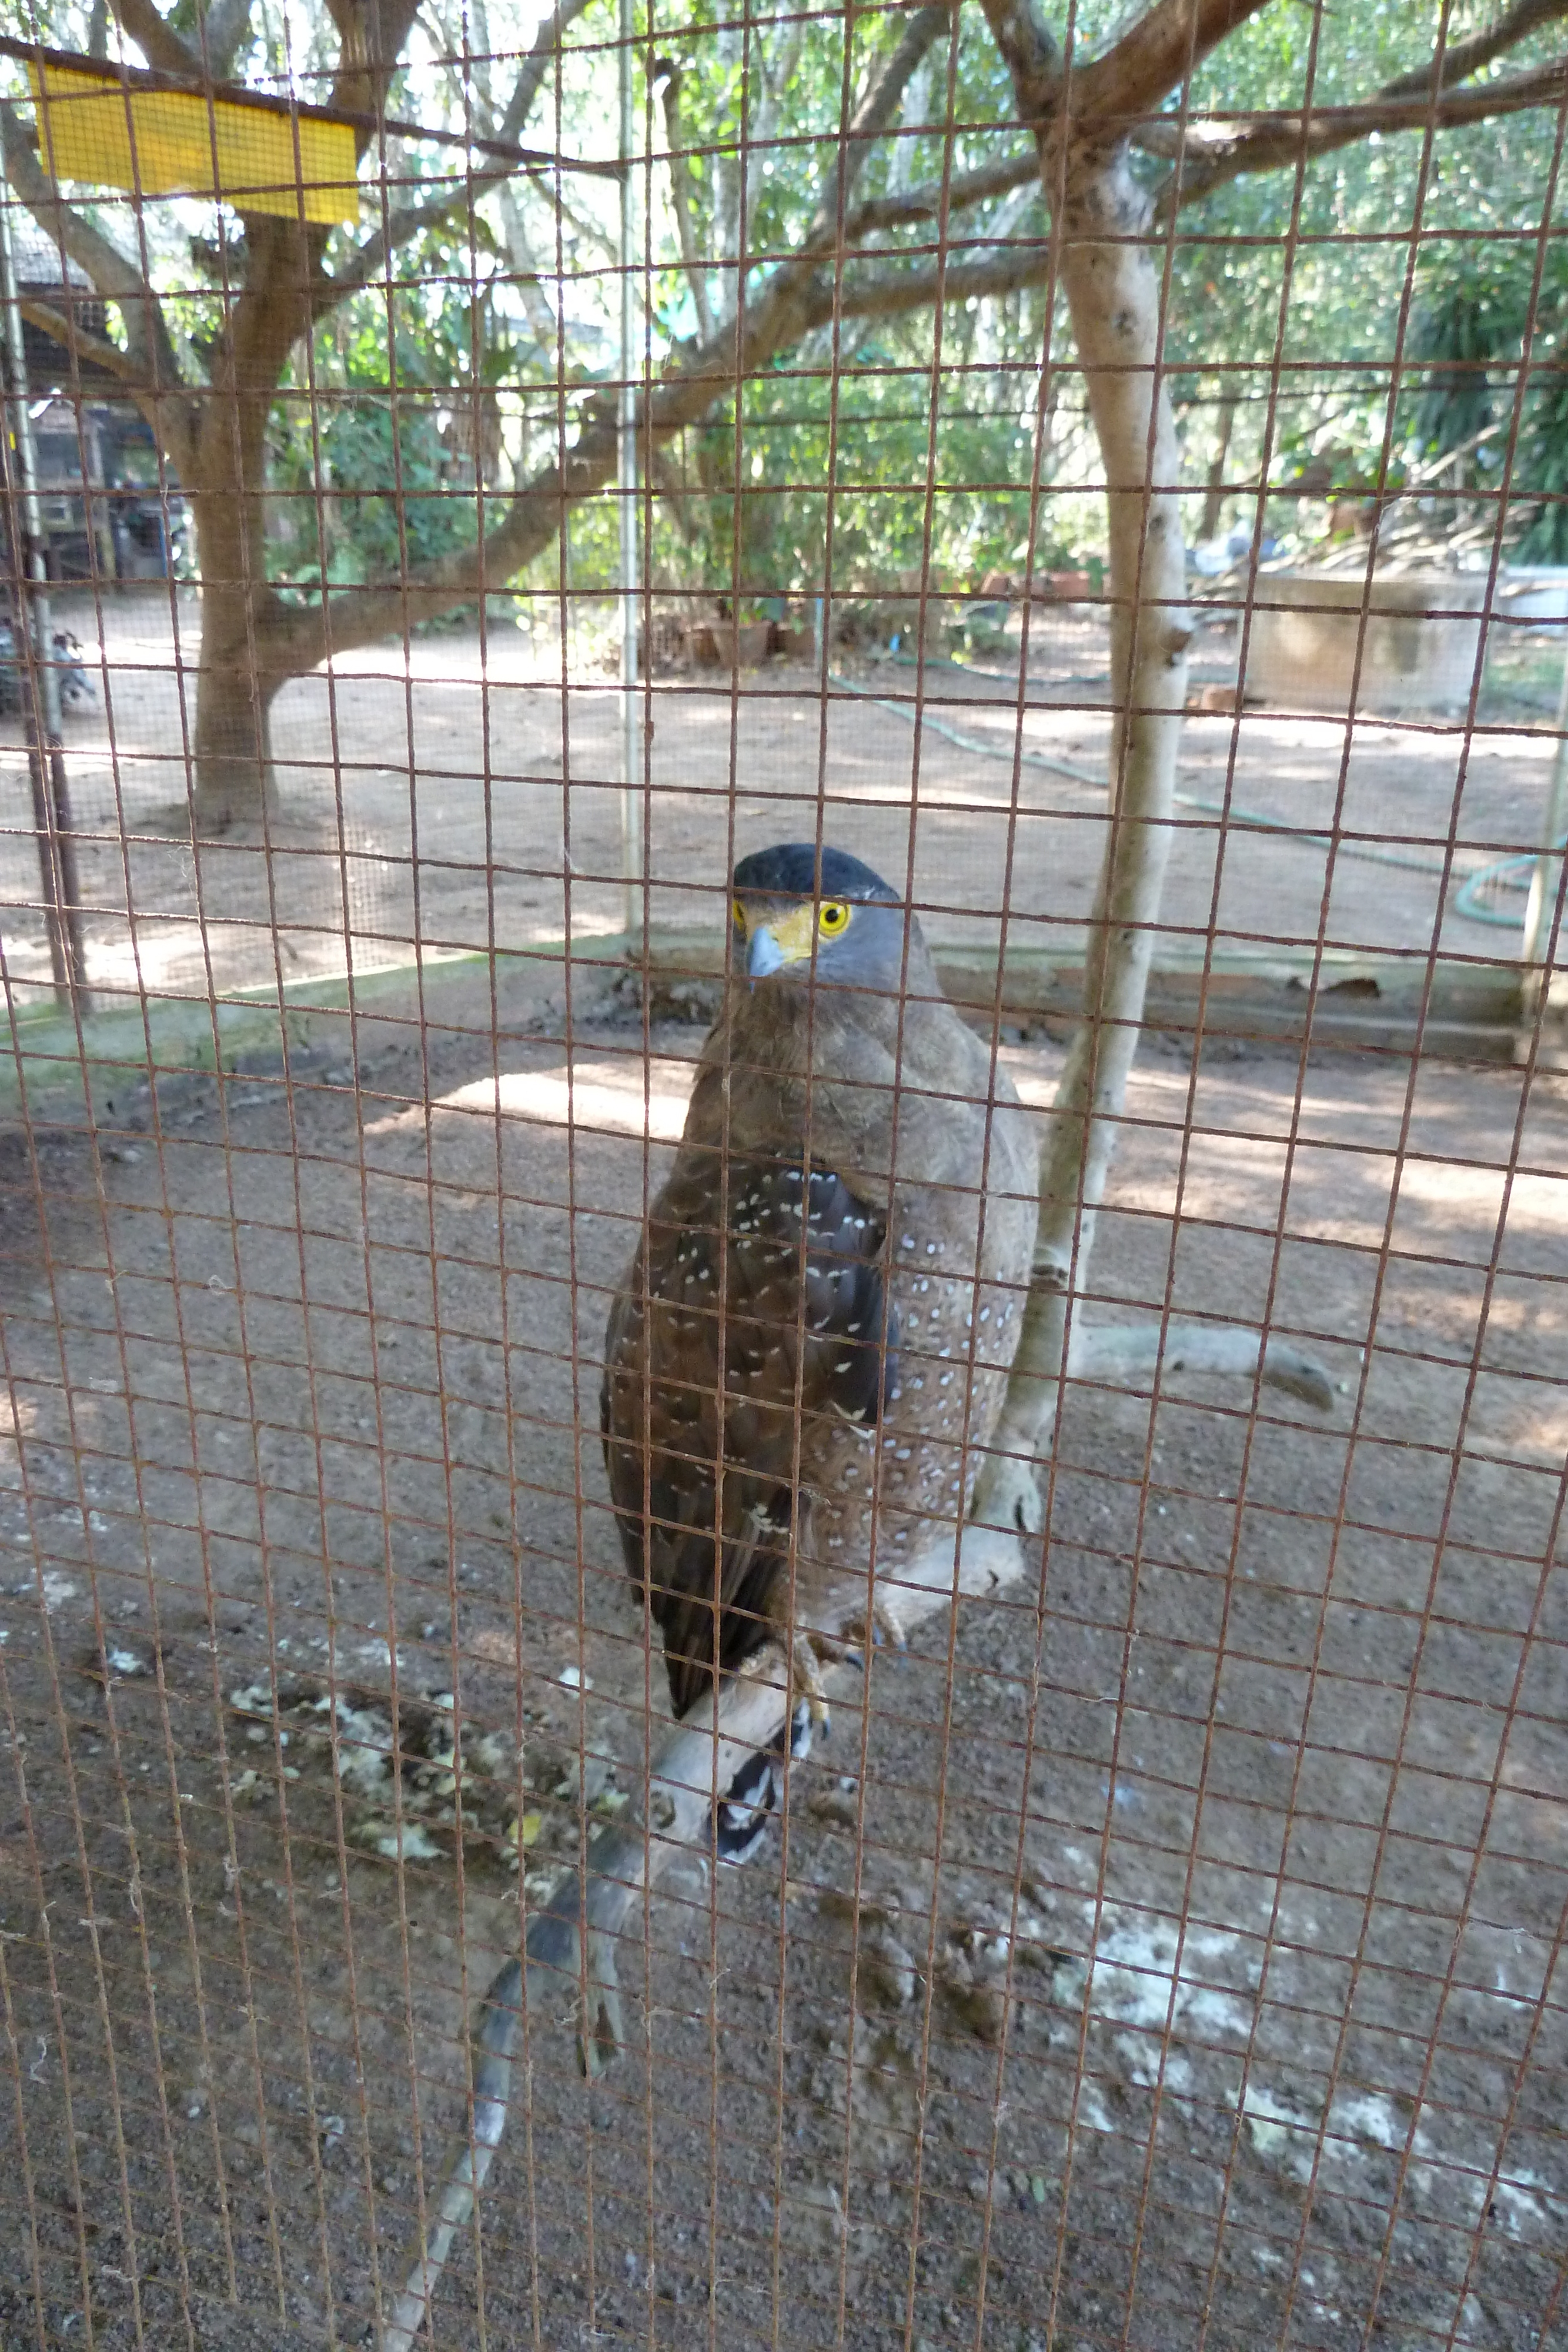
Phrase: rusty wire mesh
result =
(1167, 1952)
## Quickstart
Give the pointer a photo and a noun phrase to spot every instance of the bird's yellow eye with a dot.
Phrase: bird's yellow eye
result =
(739, 913)
(833, 919)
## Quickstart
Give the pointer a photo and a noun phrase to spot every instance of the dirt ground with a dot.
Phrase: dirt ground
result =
(1203, 1988)
(462, 796)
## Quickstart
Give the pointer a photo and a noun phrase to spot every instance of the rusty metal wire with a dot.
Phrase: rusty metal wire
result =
(1169, 1950)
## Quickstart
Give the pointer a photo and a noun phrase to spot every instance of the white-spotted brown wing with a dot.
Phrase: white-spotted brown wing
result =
(756, 1312)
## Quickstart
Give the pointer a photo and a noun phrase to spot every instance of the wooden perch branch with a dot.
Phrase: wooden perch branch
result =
(571, 1941)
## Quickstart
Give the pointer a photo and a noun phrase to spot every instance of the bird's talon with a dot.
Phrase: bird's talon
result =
(806, 1674)
(888, 1625)
(883, 1627)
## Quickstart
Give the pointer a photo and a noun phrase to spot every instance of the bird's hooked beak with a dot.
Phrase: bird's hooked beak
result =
(763, 954)
(784, 938)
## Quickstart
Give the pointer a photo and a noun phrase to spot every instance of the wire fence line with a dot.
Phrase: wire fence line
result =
(1053, 1285)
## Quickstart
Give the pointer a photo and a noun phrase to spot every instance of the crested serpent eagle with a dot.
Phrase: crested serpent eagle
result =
(809, 1350)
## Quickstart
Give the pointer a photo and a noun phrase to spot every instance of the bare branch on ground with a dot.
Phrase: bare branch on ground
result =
(1119, 1353)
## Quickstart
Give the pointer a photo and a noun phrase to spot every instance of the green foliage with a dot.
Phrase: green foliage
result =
(744, 500)
(1477, 309)
(1295, 302)
(1286, 305)
(1464, 325)
(389, 448)
(1545, 537)
(767, 533)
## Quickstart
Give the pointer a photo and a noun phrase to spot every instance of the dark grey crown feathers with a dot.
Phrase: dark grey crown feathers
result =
(788, 870)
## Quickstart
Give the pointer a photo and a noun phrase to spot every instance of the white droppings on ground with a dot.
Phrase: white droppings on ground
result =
(364, 1751)
(1524, 2196)
(1144, 1973)
(1093, 2114)
(1181, 1996)
(408, 1843)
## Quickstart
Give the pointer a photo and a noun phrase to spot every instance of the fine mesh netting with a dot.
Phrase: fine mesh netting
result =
(1100, 470)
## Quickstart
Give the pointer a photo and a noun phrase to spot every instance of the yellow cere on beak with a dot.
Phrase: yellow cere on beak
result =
(783, 938)
(796, 932)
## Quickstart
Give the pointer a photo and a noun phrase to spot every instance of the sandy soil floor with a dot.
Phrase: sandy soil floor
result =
(465, 796)
(1204, 1987)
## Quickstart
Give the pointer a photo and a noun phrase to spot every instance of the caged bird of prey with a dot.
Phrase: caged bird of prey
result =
(809, 1352)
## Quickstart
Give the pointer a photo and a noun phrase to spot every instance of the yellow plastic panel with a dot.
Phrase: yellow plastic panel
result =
(163, 142)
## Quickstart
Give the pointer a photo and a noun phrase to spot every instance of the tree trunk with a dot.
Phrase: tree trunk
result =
(249, 637)
(1113, 300)
(232, 782)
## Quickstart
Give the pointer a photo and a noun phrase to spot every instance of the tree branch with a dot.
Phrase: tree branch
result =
(208, 57)
(1113, 298)
(223, 28)
(373, 256)
(1156, 57)
(1269, 143)
(536, 66)
(112, 272)
(1461, 59)
(157, 41)
(681, 196)
(372, 34)
(964, 189)
(879, 214)
(527, 275)
(1032, 56)
(107, 355)
(871, 118)
(781, 313)
(1117, 1353)
(367, 266)
(570, 1939)
(895, 294)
